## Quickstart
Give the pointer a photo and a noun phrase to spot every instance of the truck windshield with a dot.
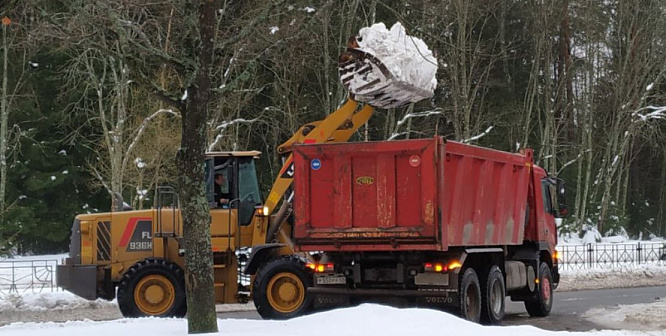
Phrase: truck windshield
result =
(248, 186)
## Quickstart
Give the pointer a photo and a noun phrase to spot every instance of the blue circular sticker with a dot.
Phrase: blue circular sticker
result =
(315, 164)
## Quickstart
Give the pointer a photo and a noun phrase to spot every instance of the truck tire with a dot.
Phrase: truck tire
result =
(493, 293)
(279, 290)
(541, 306)
(470, 296)
(153, 287)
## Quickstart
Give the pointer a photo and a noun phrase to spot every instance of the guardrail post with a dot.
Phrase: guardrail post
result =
(638, 251)
(590, 260)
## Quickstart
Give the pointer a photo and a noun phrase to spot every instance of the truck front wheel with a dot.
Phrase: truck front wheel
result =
(543, 303)
(279, 290)
(470, 296)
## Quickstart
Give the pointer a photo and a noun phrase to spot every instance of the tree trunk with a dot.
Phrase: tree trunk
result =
(201, 316)
(661, 219)
(3, 120)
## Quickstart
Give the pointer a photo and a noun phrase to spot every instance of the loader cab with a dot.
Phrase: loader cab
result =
(240, 183)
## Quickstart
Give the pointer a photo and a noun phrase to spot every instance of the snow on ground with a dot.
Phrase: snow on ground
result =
(636, 316)
(638, 276)
(363, 320)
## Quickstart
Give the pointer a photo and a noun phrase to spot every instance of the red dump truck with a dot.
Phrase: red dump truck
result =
(427, 223)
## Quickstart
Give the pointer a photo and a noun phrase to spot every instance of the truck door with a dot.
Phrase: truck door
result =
(548, 229)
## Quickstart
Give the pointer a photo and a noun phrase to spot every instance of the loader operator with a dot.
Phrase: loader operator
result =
(221, 198)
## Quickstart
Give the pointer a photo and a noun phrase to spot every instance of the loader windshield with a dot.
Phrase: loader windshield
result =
(248, 186)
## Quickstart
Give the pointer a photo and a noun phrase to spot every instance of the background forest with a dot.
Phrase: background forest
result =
(85, 86)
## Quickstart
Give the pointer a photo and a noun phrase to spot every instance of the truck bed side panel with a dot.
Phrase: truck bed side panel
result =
(375, 194)
(484, 195)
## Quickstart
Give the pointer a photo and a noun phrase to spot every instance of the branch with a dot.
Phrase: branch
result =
(101, 179)
(572, 161)
(140, 131)
(658, 112)
(478, 136)
(418, 114)
(223, 126)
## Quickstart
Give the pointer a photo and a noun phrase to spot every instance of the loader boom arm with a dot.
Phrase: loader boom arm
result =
(338, 126)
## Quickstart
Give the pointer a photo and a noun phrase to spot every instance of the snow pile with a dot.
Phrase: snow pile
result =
(408, 58)
(640, 276)
(637, 316)
(362, 320)
(46, 301)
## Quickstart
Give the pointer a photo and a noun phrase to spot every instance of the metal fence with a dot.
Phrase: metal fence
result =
(33, 276)
(36, 276)
(611, 255)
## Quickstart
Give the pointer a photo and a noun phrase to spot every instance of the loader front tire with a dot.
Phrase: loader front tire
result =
(280, 289)
(152, 287)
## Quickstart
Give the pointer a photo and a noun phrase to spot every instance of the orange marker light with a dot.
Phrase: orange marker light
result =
(454, 265)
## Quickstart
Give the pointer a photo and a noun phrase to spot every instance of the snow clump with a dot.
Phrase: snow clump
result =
(408, 58)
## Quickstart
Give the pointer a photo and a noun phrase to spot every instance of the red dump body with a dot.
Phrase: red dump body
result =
(408, 195)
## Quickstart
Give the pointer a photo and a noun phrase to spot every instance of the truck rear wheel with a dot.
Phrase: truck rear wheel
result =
(493, 293)
(279, 290)
(470, 296)
(152, 287)
(541, 306)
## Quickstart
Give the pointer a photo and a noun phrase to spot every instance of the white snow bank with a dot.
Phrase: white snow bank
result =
(362, 320)
(408, 58)
(46, 301)
(639, 276)
(642, 316)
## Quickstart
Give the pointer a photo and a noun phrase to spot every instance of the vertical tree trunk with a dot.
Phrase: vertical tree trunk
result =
(661, 219)
(192, 185)
(3, 120)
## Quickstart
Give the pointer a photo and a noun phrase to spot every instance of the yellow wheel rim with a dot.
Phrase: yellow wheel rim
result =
(285, 292)
(154, 295)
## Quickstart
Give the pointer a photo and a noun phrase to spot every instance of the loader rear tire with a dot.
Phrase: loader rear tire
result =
(543, 303)
(153, 287)
(279, 290)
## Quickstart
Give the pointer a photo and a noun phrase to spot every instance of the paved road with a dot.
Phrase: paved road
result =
(567, 311)
(569, 307)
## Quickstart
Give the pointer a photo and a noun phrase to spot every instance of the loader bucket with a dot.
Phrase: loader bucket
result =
(368, 80)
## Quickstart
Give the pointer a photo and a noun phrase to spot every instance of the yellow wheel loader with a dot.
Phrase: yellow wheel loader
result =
(137, 256)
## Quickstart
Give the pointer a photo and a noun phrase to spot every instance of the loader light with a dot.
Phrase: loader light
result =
(438, 267)
(262, 211)
(556, 255)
